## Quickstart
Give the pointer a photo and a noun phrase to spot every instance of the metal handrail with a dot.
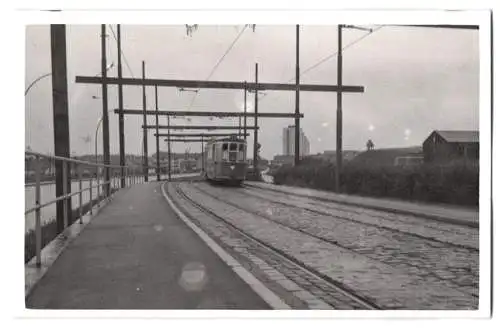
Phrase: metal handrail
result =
(71, 160)
(132, 176)
(55, 200)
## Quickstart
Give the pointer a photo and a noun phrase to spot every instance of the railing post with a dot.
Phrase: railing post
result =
(38, 224)
(65, 192)
(80, 209)
(98, 189)
(90, 192)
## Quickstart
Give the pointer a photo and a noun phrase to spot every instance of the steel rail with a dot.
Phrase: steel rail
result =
(361, 300)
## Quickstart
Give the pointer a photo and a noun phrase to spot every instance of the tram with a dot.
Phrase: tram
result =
(225, 160)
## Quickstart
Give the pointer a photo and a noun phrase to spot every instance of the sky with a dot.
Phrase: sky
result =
(416, 80)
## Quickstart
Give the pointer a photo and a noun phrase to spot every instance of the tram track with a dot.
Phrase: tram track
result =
(345, 218)
(343, 292)
(428, 273)
(341, 203)
(424, 221)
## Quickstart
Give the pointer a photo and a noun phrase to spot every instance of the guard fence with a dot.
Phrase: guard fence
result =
(74, 172)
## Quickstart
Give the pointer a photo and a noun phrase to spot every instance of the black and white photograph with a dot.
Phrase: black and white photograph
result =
(331, 166)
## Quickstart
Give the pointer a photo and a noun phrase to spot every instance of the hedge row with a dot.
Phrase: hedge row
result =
(456, 184)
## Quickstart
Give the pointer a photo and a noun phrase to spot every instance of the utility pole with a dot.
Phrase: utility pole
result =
(60, 114)
(120, 107)
(297, 99)
(158, 173)
(202, 157)
(339, 111)
(245, 117)
(239, 127)
(169, 152)
(105, 119)
(256, 106)
(144, 131)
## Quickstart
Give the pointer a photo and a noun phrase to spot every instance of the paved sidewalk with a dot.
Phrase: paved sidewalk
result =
(136, 254)
(452, 214)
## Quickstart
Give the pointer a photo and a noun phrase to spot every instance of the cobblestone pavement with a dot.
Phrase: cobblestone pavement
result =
(376, 263)
(432, 260)
(440, 212)
(440, 231)
(294, 286)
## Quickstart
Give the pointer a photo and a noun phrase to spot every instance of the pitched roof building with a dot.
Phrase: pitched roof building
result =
(448, 146)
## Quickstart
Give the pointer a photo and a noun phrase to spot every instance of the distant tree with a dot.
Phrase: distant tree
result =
(252, 26)
(258, 153)
(370, 145)
(190, 29)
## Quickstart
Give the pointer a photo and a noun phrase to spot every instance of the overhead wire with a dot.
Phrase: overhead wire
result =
(325, 59)
(307, 70)
(122, 52)
(140, 136)
(220, 61)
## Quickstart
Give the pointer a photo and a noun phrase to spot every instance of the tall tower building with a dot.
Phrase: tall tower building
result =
(289, 142)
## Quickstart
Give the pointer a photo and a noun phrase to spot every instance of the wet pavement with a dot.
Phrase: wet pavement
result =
(136, 254)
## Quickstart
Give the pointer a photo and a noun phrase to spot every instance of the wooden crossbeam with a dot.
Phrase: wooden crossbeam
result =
(458, 27)
(207, 135)
(187, 140)
(196, 127)
(208, 114)
(201, 84)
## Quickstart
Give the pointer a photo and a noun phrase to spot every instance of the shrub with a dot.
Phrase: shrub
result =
(253, 175)
(452, 184)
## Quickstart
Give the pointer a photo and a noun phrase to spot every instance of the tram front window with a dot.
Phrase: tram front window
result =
(233, 151)
(241, 152)
(225, 153)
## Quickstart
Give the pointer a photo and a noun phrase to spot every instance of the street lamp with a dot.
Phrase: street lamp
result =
(188, 90)
(96, 133)
(35, 81)
(41, 77)
(97, 129)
